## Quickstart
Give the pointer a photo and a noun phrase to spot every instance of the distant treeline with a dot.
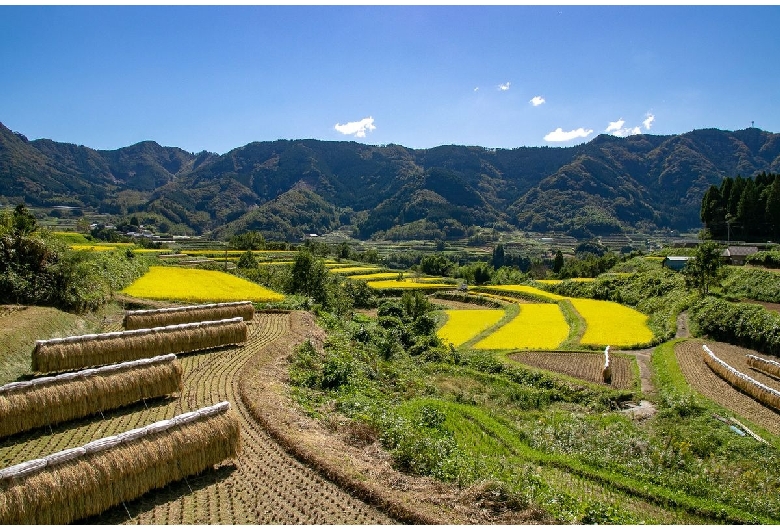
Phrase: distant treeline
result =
(743, 208)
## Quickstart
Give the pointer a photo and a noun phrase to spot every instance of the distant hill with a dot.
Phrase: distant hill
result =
(287, 188)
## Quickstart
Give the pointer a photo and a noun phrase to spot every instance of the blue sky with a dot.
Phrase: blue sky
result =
(216, 78)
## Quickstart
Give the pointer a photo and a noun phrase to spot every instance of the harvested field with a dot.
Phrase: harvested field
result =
(704, 380)
(581, 365)
(263, 485)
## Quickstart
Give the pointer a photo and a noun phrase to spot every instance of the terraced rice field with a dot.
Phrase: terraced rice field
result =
(194, 285)
(536, 327)
(407, 283)
(350, 270)
(375, 276)
(524, 290)
(556, 282)
(582, 365)
(612, 324)
(264, 485)
(465, 324)
(704, 380)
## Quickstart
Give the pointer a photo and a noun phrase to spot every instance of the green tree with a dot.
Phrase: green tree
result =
(247, 260)
(247, 241)
(712, 213)
(82, 225)
(435, 265)
(772, 214)
(309, 277)
(558, 262)
(704, 270)
(24, 221)
(498, 256)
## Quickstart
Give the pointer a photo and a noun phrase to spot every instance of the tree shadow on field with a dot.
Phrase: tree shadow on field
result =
(160, 496)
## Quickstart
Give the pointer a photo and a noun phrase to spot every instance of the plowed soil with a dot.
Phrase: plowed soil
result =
(582, 365)
(703, 379)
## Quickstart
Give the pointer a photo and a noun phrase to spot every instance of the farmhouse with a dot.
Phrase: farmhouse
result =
(676, 263)
(735, 255)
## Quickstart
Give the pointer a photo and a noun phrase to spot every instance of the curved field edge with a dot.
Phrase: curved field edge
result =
(263, 390)
(676, 383)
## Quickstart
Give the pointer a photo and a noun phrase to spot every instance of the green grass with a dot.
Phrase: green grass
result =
(577, 325)
(20, 329)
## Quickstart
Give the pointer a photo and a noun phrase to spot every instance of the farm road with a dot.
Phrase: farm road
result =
(263, 485)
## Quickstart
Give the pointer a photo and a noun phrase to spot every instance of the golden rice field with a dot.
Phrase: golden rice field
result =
(217, 252)
(536, 327)
(465, 324)
(375, 276)
(556, 282)
(524, 289)
(353, 270)
(195, 285)
(609, 323)
(94, 248)
(409, 284)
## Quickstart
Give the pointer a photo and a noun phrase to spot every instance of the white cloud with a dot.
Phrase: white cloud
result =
(537, 100)
(358, 128)
(615, 125)
(504, 86)
(476, 88)
(559, 135)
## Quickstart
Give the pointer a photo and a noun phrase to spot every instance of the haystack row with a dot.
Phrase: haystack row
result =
(85, 481)
(81, 351)
(764, 365)
(152, 318)
(755, 389)
(50, 400)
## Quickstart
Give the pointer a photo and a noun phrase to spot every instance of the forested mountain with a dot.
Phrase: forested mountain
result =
(287, 188)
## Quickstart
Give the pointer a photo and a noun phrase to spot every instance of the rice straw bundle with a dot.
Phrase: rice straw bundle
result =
(73, 353)
(50, 400)
(755, 389)
(150, 318)
(606, 372)
(764, 365)
(85, 481)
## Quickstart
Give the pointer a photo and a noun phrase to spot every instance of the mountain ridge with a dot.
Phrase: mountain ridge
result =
(288, 188)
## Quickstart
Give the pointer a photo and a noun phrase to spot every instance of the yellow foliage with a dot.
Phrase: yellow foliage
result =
(536, 327)
(194, 285)
(464, 324)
